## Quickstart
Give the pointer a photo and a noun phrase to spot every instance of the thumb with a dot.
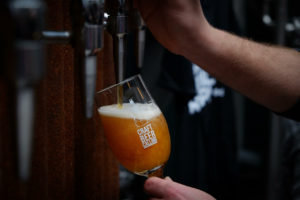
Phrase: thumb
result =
(168, 189)
(155, 186)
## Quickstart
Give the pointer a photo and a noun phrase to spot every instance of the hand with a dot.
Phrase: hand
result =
(166, 189)
(174, 23)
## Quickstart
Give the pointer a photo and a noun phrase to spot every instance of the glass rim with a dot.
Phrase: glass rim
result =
(120, 83)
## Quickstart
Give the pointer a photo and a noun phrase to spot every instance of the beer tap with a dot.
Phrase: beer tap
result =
(28, 16)
(93, 38)
(138, 27)
(117, 26)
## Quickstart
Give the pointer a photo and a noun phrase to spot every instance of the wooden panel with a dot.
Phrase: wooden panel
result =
(70, 158)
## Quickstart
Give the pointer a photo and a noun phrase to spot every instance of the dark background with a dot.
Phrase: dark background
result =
(255, 161)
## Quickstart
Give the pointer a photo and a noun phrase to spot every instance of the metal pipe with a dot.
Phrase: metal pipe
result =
(60, 37)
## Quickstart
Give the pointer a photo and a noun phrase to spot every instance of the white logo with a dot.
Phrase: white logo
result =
(147, 136)
(205, 91)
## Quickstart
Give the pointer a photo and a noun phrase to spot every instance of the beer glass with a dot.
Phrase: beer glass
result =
(134, 127)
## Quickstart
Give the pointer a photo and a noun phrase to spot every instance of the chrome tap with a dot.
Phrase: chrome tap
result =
(117, 26)
(93, 39)
(28, 16)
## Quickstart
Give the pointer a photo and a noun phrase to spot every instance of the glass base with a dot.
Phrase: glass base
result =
(156, 171)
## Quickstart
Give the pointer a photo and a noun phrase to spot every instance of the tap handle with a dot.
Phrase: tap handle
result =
(94, 25)
(29, 23)
(28, 17)
(118, 7)
(93, 11)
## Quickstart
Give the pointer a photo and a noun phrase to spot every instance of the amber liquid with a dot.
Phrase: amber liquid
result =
(125, 141)
(120, 96)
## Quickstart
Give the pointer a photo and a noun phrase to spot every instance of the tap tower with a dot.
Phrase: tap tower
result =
(93, 40)
(29, 68)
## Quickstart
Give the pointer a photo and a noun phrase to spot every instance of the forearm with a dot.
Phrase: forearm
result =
(267, 74)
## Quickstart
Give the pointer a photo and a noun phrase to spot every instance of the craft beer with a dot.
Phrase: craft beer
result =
(137, 134)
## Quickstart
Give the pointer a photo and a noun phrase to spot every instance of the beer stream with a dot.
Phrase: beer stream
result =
(120, 96)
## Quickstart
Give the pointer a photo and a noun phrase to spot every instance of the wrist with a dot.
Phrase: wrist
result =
(201, 40)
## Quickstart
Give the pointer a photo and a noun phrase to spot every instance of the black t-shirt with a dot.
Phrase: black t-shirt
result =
(290, 168)
(200, 118)
(293, 113)
(202, 128)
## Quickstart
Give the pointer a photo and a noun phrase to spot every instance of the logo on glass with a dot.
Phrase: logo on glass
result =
(147, 136)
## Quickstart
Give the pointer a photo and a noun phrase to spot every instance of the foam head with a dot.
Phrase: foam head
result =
(128, 110)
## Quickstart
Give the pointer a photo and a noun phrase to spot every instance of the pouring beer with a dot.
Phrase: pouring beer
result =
(136, 130)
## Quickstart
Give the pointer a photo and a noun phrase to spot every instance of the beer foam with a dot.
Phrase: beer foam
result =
(128, 110)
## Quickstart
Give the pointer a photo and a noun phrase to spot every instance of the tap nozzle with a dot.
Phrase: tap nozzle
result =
(93, 40)
(93, 26)
(29, 68)
(117, 26)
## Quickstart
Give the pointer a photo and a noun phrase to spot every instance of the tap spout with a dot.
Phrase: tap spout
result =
(93, 39)
(117, 26)
(25, 124)
(29, 68)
